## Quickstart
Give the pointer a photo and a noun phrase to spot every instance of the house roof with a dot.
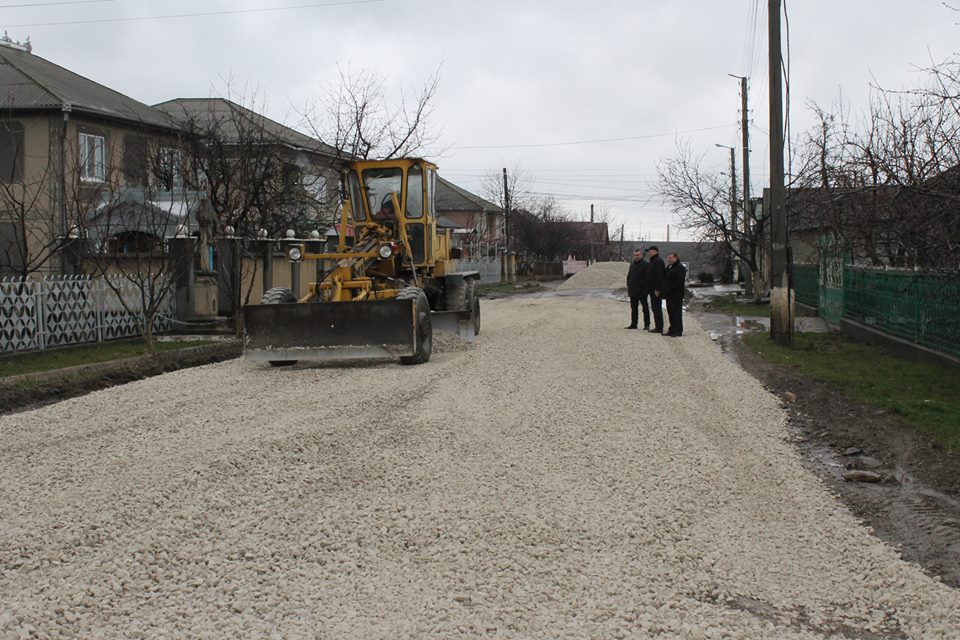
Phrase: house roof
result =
(591, 231)
(31, 83)
(452, 198)
(227, 114)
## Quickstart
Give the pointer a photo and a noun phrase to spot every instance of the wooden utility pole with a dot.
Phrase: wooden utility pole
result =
(733, 209)
(508, 265)
(781, 317)
(506, 210)
(745, 126)
(734, 236)
(622, 227)
(590, 236)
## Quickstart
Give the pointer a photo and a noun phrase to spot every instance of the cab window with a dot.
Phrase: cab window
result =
(415, 192)
(379, 184)
(356, 197)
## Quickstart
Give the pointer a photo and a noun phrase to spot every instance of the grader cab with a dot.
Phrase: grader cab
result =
(383, 291)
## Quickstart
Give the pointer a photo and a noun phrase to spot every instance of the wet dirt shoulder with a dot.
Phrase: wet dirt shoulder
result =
(917, 507)
(36, 390)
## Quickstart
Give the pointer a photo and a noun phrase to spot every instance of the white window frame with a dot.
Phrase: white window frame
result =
(170, 157)
(93, 169)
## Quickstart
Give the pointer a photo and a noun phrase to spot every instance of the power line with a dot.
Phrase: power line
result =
(23, 5)
(193, 15)
(599, 141)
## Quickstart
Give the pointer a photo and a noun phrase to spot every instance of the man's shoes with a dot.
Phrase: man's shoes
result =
(646, 327)
(631, 327)
(676, 335)
(655, 330)
(668, 335)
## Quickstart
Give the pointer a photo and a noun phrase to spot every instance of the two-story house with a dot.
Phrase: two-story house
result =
(65, 142)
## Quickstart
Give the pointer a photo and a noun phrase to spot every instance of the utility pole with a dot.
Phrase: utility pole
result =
(621, 240)
(745, 127)
(506, 227)
(781, 317)
(590, 236)
(734, 236)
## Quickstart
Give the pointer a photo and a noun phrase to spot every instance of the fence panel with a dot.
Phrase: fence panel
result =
(571, 266)
(67, 310)
(19, 316)
(806, 284)
(923, 308)
(832, 263)
(489, 268)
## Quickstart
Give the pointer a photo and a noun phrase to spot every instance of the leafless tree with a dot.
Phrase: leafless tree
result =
(701, 200)
(358, 117)
(887, 183)
(126, 235)
(546, 234)
(31, 235)
(257, 183)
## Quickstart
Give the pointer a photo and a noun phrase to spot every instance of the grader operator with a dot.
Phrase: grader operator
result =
(383, 296)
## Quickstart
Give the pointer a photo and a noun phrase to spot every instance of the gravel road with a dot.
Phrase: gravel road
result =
(562, 478)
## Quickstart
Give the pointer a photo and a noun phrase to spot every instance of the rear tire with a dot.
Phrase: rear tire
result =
(473, 300)
(458, 292)
(424, 327)
(279, 295)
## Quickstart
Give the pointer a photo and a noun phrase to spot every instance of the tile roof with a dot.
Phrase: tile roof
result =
(227, 113)
(31, 83)
(451, 198)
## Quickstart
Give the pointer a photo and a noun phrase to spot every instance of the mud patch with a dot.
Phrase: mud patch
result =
(917, 510)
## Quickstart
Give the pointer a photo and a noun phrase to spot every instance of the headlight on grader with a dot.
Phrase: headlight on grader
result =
(295, 254)
(386, 251)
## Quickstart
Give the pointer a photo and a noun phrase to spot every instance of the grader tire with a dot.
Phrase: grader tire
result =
(473, 302)
(424, 326)
(279, 295)
(457, 295)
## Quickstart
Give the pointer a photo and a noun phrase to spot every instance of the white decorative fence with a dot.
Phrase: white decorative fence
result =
(489, 268)
(65, 310)
(571, 266)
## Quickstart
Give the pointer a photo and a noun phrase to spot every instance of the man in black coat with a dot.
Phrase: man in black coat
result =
(655, 272)
(637, 289)
(674, 281)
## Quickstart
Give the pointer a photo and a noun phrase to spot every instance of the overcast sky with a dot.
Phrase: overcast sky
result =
(515, 73)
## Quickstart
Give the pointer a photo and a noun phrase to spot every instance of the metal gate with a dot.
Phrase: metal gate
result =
(832, 262)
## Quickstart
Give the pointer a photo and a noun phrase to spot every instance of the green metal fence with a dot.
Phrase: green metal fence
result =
(921, 307)
(806, 284)
(924, 308)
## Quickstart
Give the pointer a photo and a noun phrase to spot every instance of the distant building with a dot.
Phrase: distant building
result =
(477, 223)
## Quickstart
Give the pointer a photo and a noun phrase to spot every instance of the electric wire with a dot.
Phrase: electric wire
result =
(203, 14)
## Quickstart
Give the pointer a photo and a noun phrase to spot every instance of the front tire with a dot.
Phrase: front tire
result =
(473, 302)
(424, 328)
(280, 295)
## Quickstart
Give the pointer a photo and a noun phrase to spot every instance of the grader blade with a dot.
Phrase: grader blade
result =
(458, 323)
(327, 332)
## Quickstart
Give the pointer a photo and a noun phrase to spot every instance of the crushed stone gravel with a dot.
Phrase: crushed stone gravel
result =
(561, 479)
(599, 275)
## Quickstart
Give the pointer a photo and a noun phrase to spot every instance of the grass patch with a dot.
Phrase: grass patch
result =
(924, 395)
(731, 306)
(89, 354)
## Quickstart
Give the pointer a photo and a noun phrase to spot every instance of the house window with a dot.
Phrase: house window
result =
(315, 186)
(92, 158)
(11, 152)
(170, 169)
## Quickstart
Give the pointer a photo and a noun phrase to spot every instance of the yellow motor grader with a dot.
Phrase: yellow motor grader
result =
(387, 286)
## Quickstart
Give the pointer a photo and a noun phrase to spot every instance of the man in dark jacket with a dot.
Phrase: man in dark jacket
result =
(674, 280)
(637, 289)
(655, 273)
